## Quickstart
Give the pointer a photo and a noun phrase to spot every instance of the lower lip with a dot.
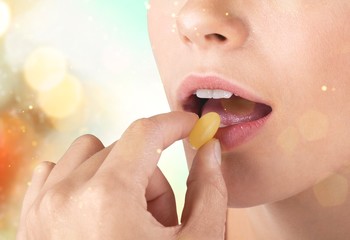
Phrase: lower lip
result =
(231, 137)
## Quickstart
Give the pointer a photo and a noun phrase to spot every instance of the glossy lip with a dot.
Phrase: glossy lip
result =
(231, 136)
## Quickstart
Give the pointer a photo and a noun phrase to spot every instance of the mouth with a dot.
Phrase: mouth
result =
(241, 112)
(232, 109)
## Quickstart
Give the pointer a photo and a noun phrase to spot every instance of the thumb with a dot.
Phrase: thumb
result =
(204, 214)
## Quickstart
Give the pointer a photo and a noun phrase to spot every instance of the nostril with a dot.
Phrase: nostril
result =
(215, 37)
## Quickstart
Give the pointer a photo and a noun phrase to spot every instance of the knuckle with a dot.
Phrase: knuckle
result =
(53, 207)
(99, 190)
(54, 200)
(214, 184)
(87, 140)
(44, 166)
(218, 184)
(108, 187)
(96, 197)
(149, 129)
(100, 197)
(107, 183)
(145, 125)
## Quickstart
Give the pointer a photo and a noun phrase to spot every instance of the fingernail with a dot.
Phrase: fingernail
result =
(217, 151)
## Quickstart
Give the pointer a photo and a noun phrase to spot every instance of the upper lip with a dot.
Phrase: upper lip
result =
(193, 82)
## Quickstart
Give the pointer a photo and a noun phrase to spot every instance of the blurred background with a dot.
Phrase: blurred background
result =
(70, 67)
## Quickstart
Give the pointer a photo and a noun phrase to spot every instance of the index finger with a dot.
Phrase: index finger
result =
(136, 154)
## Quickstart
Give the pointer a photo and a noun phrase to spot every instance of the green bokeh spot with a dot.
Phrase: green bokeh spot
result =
(129, 16)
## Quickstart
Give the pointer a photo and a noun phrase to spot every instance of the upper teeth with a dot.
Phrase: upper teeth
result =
(213, 93)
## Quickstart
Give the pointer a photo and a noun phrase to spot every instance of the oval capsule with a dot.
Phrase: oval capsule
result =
(204, 129)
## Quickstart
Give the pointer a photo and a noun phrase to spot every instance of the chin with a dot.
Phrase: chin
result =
(253, 180)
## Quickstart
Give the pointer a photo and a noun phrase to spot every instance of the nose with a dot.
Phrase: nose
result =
(206, 24)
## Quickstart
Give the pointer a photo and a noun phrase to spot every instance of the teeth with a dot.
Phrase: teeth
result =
(213, 93)
(204, 93)
(217, 94)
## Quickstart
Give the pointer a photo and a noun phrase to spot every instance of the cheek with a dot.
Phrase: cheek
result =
(312, 62)
(308, 59)
(306, 47)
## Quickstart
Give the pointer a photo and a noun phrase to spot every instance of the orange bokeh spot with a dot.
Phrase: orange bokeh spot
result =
(14, 146)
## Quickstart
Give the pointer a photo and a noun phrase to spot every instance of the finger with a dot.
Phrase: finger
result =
(88, 168)
(161, 200)
(40, 175)
(204, 214)
(137, 152)
(81, 149)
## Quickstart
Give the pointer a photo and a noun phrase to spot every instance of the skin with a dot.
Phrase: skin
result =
(293, 54)
(279, 182)
(114, 192)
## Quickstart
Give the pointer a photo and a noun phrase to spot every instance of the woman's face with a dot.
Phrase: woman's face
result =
(288, 60)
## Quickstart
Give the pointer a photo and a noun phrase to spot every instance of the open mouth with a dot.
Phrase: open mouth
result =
(232, 109)
(243, 112)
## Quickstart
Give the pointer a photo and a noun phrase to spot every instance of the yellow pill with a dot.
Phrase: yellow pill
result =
(204, 129)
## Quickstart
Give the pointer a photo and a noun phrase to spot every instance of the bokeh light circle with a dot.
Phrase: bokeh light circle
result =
(45, 68)
(62, 100)
(313, 125)
(332, 191)
(5, 17)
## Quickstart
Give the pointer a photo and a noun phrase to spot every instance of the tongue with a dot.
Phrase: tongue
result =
(236, 110)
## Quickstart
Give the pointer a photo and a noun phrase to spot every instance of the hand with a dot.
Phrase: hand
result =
(118, 192)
